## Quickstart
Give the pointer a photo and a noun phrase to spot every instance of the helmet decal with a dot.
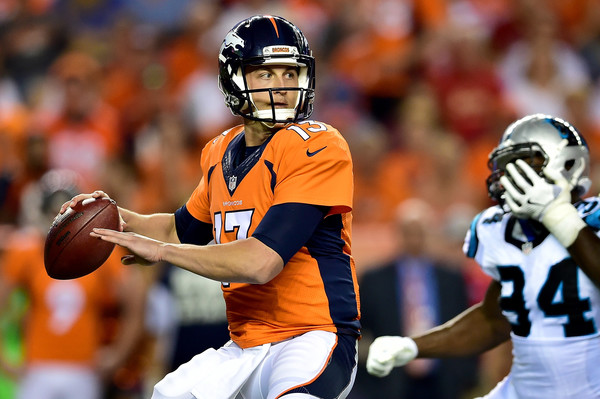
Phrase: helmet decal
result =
(567, 131)
(232, 40)
(274, 25)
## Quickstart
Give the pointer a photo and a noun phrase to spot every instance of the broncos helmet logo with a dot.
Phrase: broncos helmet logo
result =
(233, 40)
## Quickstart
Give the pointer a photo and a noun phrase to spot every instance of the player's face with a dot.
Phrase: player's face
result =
(536, 162)
(272, 76)
(535, 159)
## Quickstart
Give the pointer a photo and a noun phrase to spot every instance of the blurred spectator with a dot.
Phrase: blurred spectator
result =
(31, 40)
(368, 142)
(573, 17)
(412, 293)
(541, 69)
(197, 92)
(164, 15)
(588, 40)
(64, 352)
(13, 127)
(13, 111)
(467, 86)
(32, 164)
(85, 17)
(379, 55)
(487, 17)
(427, 161)
(144, 81)
(131, 52)
(82, 131)
(166, 163)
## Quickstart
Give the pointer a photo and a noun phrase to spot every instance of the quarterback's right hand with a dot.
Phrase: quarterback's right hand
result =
(80, 197)
(388, 352)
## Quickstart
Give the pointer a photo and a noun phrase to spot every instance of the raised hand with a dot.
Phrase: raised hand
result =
(528, 194)
(549, 203)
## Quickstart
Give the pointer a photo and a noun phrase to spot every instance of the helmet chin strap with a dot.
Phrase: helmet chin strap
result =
(279, 114)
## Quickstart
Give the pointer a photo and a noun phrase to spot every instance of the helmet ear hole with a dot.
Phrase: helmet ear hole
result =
(569, 164)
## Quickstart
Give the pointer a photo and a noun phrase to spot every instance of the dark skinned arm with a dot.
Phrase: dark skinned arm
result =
(476, 330)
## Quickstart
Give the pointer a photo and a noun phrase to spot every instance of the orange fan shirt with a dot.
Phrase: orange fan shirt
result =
(307, 162)
(64, 321)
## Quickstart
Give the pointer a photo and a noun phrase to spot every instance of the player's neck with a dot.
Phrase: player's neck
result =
(256, 133)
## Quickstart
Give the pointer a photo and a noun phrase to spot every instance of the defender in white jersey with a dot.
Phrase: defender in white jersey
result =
(541, 246)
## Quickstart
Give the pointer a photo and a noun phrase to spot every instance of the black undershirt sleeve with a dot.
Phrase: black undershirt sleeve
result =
(191, 230)
(285, 228)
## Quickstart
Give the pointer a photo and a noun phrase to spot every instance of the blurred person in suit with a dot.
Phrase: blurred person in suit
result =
(410, 294)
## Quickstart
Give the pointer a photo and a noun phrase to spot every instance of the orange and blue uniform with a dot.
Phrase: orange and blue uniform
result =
(303, 163)
(65, 319)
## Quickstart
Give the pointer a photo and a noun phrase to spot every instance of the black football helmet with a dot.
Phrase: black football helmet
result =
(259, 40)
(551, 139)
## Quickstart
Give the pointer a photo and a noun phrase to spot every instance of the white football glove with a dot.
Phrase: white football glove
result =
(536, 196)
(387, 352)
(549, 203)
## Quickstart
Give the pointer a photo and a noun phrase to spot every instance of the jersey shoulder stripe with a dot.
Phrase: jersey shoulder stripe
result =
(589, 209)
(472, 241)
(489, 216)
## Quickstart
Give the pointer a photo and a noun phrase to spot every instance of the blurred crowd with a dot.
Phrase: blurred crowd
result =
(124, 92)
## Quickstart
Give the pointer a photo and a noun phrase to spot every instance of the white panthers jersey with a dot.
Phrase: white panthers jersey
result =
(553, 307)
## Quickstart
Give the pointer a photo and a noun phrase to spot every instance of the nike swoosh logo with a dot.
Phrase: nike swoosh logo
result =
(312, 154)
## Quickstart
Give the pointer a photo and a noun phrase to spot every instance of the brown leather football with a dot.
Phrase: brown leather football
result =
(70, 252)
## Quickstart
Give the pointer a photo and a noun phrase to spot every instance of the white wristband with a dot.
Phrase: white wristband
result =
(563, 222)
(411, 351)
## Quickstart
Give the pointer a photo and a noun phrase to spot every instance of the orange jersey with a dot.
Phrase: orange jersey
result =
(85, 146)
(64, 322)
(307, 162)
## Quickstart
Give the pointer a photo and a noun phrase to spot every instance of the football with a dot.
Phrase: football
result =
(70, 252)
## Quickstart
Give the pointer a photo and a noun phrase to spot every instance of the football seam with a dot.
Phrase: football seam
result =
(75, 235)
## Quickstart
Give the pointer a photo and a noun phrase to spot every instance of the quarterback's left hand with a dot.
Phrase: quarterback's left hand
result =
(145, 250)
(530, 199)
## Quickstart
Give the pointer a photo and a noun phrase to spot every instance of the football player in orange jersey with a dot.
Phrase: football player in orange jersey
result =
(276, 198)
(65, 353)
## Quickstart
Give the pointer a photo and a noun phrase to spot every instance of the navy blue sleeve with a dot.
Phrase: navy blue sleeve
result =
(190, 230)
(286, 228)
